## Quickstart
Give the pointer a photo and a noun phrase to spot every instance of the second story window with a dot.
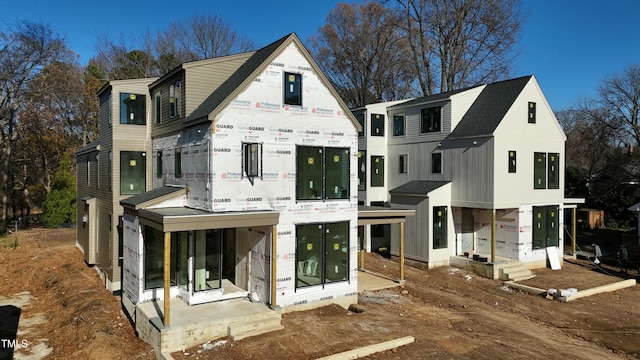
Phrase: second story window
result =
(252, 161)
(436, 163)
(377, 171)
(431, 119)
(174, 99)
(512, 161)
(539, 170)
(322, 173)
(403, 164)
(360, 118)
(159, 164)
(362, 169)
(532, 113)
(132, 172)
(292, 89)
(398, 125)
(133, 109)
(157, 114)
(553, 175)
(377, 125)
(178, 162)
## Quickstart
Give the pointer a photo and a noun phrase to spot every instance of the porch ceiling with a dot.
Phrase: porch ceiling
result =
(186, 219)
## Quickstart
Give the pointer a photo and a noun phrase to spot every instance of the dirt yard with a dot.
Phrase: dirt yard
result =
(65, 313)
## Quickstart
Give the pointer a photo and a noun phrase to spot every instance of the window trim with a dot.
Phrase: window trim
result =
(397, 118)
(158, 108)
(175, 92)
(403, 164)
(435, 125)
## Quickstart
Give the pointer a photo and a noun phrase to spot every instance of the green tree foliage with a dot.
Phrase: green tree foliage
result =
(25, 49)
(59, 206)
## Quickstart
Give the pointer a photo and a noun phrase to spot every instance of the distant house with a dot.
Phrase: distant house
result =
(482, 167)
(112, 169)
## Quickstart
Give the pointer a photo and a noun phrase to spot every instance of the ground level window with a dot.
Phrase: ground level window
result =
(154, 259)
(440, 227)
(322, 253)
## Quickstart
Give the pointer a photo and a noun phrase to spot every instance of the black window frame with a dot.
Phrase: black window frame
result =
(436, 163)
(159, 164)
(317, 156)
(531, 112)
(362, 170)
(440, 227)
(292, 89)
(252, 165)
(322, 246)
(553, 170)
(177, 162)
(362, 121)
(512, 158)
(539, 170)
(133, 104)
(377, 179)
(377, 124)
(141, 155)
(431, 120)
(175, 94)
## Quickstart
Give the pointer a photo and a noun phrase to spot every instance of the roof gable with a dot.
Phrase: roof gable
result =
(488, 110)
(247, 72)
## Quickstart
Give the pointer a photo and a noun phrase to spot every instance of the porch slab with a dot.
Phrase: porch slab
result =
(372, 281)
(197, 324)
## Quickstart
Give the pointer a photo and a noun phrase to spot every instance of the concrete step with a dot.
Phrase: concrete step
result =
(515, 272)
(245, 329)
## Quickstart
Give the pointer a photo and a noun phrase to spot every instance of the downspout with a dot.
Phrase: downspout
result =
(493, 235)
(167, 283)
(402, 251)
(274, 234)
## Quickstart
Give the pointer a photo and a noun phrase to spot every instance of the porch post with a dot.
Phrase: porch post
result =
(274, 234)
(167, 278)
(402, 250)
(493, 235)
(573, 230)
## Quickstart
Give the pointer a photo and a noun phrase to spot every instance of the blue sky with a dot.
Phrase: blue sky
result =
(569, 45)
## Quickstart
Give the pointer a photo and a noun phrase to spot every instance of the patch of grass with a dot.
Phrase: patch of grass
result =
(8, 244)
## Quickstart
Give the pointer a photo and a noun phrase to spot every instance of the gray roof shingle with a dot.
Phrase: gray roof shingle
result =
(136, 200)
(418, 187)
(491, 106)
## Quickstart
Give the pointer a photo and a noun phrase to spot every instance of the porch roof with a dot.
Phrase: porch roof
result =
(186, 219)
(374, 215)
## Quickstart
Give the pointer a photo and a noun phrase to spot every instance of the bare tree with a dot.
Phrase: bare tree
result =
(460, 43)
(25, 48)
(200, 37)
(621, 95)
(364, 54)
(197, 37)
